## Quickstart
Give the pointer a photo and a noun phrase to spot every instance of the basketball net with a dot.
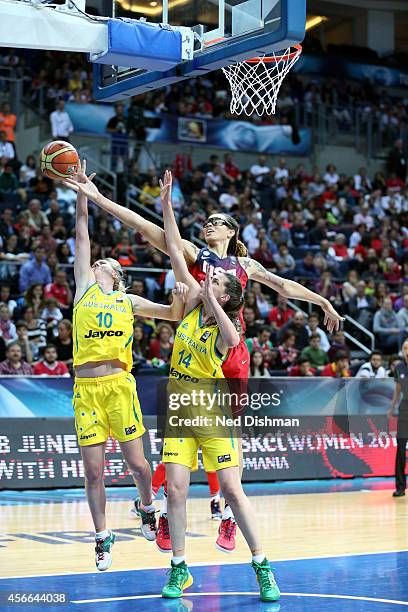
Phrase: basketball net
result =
(255, 83)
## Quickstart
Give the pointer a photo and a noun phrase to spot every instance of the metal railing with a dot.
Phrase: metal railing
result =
(105, 177)
(364, 331)
(348, 125)
(12, 89)
(366, 349)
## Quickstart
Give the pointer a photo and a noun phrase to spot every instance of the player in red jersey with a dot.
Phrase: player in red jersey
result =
(226, 253)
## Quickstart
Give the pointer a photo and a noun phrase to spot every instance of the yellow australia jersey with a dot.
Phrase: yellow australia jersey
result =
(103, 327)
(195, 355)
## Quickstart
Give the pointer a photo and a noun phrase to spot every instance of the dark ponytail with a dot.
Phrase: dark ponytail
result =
(235, 246)
(233, 307)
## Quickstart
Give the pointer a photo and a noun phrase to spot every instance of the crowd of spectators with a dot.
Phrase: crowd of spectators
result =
(345, 237)
(67, 77)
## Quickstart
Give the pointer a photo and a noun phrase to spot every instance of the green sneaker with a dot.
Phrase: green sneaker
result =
(268, 589)
(179, 579)
(103, 555)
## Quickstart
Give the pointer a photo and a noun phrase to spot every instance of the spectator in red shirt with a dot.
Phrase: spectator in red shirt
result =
(392, 271)
(50, 366)
(161, 347)
(340, 247)
(280, 314)
(394, 184)
(231, 171)
(329, 195)
(339, 368)
(60, 290)
(302, 368)
(375, 241)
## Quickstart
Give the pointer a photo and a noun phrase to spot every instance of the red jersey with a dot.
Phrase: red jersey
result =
(58, 292)
(279, 317)
(232, 170)
(237, 363)
(41, 369)
(331, 370)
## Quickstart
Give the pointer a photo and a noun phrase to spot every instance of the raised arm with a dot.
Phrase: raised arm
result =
(82, 264)
(291, 289)
(229, 336)
(175, 244)
(151, 232)
(169, 312)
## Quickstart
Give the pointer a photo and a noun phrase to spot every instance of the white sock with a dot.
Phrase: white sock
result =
(149, 508)
(164, 505)
(216, 497)
(177, 560)
(227, 514)
(258, 558)
(101, 535)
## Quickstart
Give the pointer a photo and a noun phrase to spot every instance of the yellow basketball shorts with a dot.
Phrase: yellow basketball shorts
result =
(218, 453)
(107, 406)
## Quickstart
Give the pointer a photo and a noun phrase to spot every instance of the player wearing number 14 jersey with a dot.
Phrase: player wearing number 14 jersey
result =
(105, 398)
(225, 253)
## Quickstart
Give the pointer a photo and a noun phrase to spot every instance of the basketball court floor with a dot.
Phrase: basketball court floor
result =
(334, 545)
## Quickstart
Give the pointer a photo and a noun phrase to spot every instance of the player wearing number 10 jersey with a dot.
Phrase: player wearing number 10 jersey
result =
(105, 398)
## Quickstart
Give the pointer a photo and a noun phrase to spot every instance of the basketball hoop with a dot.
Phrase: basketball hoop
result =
(255, 83)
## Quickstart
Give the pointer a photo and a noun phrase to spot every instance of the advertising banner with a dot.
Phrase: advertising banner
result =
(22, 397)
(374, 74)
(290, 428)
(42, 453)
(232, 135)
(34, 396)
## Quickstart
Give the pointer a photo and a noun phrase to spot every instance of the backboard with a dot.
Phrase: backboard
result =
(227, 31)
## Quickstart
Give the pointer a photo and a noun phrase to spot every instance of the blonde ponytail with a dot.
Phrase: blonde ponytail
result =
(119, 282)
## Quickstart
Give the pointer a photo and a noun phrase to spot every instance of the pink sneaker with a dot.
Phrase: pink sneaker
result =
(226, 536)
(163, 535)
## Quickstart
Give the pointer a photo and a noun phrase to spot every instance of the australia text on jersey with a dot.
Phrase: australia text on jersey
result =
(105, 306)
(191, 342)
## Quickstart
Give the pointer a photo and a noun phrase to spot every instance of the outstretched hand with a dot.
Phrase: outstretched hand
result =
(81, 183)
(165, 187)
(207, 292)
(180, 291)
(332, 318)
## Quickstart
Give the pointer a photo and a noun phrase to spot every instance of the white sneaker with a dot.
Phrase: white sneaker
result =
(149, 528)
(103, 556)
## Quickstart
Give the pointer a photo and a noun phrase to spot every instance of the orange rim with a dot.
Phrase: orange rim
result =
(276, 58)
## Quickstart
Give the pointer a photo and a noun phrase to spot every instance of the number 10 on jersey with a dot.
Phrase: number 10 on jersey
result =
(105, 319)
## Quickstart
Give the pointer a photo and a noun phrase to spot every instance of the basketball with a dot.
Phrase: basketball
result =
(59, 160)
